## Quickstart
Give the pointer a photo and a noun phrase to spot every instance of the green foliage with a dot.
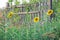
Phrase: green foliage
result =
(16, 10)
(34, 1)
(56, 9)
(16, 18)
(24, 2)
(24, 33)
(27, 18)
(17, 2)
(10, 0)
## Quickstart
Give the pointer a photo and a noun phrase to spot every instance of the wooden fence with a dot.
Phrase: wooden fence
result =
(35, 10)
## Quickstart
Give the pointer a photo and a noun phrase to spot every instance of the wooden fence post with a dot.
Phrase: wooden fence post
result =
(51, 16)
(50, 4)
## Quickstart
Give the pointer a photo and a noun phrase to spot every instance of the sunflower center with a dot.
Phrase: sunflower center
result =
(10, 14)
(49, 11)
(36, 19)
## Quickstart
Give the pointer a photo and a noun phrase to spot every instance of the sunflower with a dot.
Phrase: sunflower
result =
(10, 14)
(50, 12)
(36, 19)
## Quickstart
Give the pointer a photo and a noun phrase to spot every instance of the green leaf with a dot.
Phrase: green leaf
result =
(10, 0)
(17, 3)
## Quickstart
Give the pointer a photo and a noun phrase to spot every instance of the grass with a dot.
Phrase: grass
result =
(33, 31)
(28, 32)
